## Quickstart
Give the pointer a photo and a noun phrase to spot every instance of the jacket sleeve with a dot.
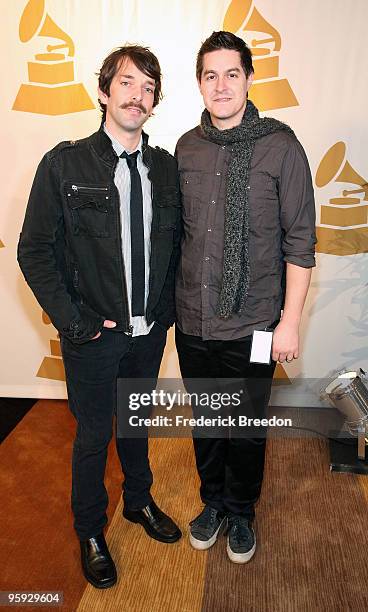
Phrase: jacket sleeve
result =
(168, 291)
(41, 256)
(297, 208)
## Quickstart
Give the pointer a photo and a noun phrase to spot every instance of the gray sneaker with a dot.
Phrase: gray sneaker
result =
(241, 540)
(205, 528)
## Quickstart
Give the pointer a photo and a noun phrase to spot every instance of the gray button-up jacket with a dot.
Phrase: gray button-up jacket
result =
(281, 229)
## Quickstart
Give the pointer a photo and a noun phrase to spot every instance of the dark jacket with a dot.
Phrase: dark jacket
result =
(70, 249)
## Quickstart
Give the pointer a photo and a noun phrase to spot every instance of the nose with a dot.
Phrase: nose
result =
(221, 83)
(137, 94)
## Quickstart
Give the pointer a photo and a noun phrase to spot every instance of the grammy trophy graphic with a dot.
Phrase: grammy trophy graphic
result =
(268, 91)
(343, 228)
(52, 367)
(51, 90)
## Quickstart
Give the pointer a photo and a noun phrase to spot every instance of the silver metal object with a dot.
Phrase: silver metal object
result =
(349, 395)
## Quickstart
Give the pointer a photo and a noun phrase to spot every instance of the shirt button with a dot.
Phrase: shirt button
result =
(206, 258)
(223, 147)
(204, 286)
(213, 202)
(218, 173)
(209, 229)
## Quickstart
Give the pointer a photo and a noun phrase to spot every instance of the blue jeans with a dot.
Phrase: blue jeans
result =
(92, 370)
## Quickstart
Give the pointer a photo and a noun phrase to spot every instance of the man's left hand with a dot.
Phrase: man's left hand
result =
(285, 342)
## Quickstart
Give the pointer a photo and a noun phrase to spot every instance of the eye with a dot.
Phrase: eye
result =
(149, 90)
(210, 77)
(233, 75)
(125, 83)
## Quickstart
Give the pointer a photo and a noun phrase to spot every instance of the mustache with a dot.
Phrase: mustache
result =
(135, 105)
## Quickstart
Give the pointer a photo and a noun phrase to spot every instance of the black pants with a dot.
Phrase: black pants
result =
(230, 467)
(91, 373)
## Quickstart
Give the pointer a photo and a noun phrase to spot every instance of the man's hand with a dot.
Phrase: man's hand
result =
(107, 323)
(285, 342)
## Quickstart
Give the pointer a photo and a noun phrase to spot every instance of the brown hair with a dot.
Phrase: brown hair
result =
(225, 40)
(141, 57)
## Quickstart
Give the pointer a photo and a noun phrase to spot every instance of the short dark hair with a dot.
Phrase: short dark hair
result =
(225, 40)
(141, 57)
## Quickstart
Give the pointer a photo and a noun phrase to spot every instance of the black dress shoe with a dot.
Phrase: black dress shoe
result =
(157, 524)
(98, 567)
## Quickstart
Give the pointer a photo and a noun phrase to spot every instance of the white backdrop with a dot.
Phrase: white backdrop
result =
(317, 83)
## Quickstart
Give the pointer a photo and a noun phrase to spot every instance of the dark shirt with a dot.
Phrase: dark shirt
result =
(281, 229)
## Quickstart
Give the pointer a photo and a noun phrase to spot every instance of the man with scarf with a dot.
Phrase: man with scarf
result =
(247, 254)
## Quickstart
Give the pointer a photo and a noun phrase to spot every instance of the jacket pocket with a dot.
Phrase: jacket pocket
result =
(167, 198)
(88, 206)
(264, 206)
(190, 189)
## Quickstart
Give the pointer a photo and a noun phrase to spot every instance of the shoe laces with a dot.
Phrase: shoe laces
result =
(207, 516)
(240, 528)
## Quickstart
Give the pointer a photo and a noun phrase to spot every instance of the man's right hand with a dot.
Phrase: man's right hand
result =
(107, 323)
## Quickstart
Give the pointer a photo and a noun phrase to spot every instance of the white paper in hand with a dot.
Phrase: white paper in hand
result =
(261, 347)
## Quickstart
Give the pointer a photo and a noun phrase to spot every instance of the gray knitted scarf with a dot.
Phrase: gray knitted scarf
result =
(236, 268)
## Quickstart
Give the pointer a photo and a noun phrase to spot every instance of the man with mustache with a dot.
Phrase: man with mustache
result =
(248, 212)
(99, 247)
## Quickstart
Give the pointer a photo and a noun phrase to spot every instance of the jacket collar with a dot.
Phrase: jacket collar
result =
(101, 143)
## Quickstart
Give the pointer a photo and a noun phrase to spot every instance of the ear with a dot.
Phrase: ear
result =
(250, 80)
(102, 96)
(199, 83)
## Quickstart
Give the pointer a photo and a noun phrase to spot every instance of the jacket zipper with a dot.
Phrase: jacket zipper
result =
(76, 284)
(121, 259)
(149, 166)
(150, 263)
(77, 188)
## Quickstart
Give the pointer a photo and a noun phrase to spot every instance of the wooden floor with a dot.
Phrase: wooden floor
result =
(312, 530)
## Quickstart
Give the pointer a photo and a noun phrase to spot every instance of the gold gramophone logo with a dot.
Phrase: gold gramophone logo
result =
(52, 366)
(269, 91)
(343, 228)
(2, 245)
(51, 89)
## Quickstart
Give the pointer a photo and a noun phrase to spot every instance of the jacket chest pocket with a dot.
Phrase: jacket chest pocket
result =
(167, 198)
(263, 200)
(190, 189)
(89, 210)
